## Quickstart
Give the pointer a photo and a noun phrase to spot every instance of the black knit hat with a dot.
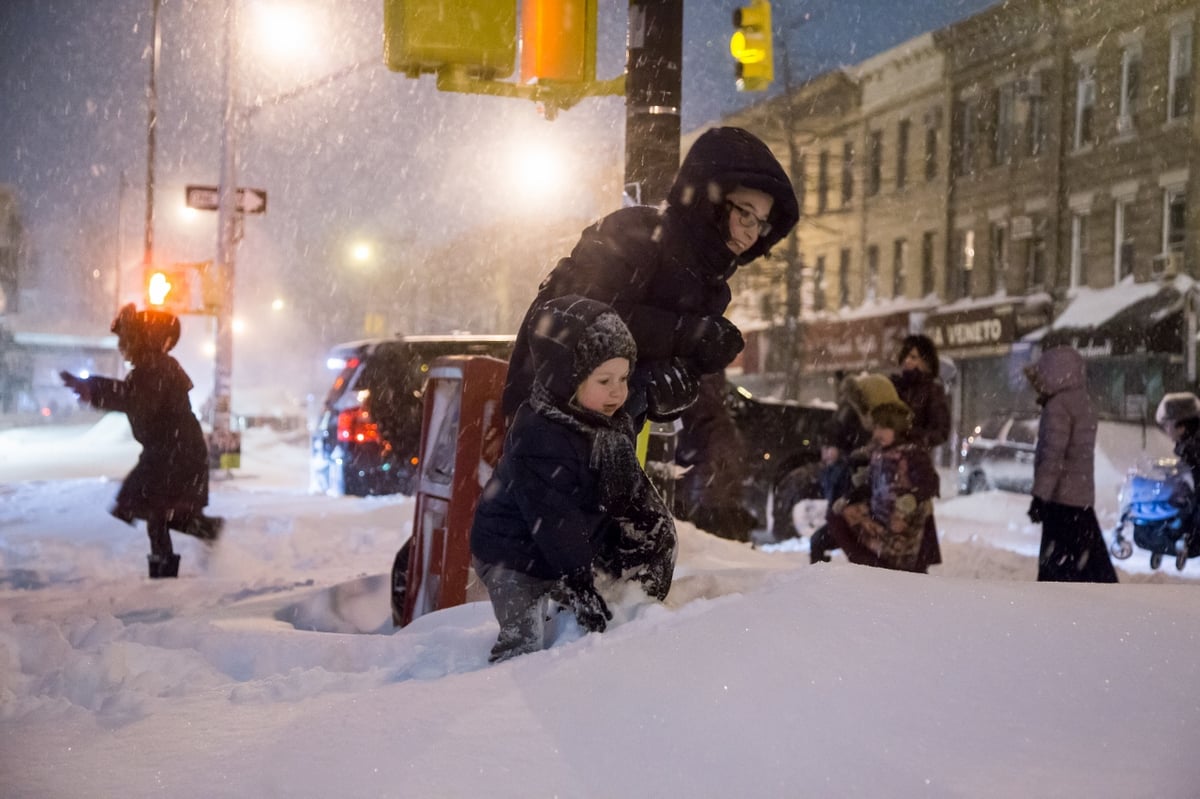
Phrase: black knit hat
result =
(570, 336)
(924, 347)
(605, 338)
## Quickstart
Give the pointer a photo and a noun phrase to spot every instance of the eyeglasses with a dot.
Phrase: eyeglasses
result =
(747, 218)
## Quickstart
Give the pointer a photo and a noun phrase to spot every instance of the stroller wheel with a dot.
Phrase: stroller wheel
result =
(1181, 554)
(1121, 549)
(1155, 560)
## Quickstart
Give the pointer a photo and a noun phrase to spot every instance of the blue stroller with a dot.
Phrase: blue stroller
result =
(1157, 499)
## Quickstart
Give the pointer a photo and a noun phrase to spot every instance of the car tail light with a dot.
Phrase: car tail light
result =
(355, 424)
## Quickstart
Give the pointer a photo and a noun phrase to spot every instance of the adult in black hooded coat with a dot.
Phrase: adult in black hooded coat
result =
(665, 270)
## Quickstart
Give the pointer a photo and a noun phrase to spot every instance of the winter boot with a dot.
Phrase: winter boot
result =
(163, 566)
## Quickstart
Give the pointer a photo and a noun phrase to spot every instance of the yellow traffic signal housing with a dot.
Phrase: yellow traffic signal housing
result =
(169, 288)
(479, 36)
(558, 41)
(751, 46)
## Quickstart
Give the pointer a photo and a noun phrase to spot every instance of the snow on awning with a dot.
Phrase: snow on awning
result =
(1125, 319)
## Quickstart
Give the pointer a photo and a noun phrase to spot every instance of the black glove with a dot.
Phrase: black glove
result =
(578, 592)
(671, 388)
(711, 342)
(76, 384)
(1036, 506)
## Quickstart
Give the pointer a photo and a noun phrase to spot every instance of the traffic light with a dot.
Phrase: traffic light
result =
(751, 46)
(558, 40)
(169, 288)
(429, 35)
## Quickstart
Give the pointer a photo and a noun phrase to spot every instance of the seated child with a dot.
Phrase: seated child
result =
(568, 493)
(887, 529)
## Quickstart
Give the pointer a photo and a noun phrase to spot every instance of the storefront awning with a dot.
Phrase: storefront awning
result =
(851, 345)
(1150, 324)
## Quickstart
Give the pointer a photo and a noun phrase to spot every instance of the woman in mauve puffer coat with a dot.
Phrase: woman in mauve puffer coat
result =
(1064, 484)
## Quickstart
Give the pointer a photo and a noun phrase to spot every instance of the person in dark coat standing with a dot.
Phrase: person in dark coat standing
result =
(1178, 415)
(921, 389)
(1064, 482)
(665, 270)
(568, 494)
(886, 530)
(168, 487)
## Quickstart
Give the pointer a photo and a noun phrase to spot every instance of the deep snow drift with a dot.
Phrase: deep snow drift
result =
(271, 669)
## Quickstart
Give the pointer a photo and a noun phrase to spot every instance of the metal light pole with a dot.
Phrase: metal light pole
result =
(151, 127)
(224, 442)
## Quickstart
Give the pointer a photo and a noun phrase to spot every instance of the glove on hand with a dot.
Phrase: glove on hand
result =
(711, 342)
(672, 387)
(578, 592)
(1036, 506)
(76, 384)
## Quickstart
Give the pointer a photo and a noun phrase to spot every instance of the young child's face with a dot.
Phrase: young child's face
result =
(884, 436)
(606, 388)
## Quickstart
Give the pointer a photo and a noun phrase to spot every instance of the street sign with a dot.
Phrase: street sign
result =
(207, 198)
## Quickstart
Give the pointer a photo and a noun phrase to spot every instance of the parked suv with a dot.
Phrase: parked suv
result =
(781, 452)
(999, 454)
(367, 439)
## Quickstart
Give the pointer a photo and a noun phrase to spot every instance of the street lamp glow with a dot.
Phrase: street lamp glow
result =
(361, 252)
(538, 171)
(239, 326)
(284, 31)
(277, 304)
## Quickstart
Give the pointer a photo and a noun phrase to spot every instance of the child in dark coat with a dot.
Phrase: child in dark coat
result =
(169, 485)
(568, 493)
(886, 531)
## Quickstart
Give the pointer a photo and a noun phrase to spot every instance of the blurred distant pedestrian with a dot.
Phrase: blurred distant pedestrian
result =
(169, 485)
(1064, 482)
(922, 390)
(886, 529)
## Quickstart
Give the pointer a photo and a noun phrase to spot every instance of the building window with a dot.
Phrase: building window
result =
(847, 172)
(899, 268)
(871, 282)
(819, 284)
(1036, 123)
(1079, 247)
(875, 168)
(1085, 106)
(998, 247)
(1131, 78)
(902, 153)
(1122, 243)
(844, 279)
(823, 182)
(1179, 90)
(927, 263)
(965, 146)
(1035, 254)
(1174, 220)
(966, 263)
(931, 146)
(1002, 129)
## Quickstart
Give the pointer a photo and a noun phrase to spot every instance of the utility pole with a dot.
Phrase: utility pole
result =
(653, 92)
(224, 447)
(794, 273)
(151, 128)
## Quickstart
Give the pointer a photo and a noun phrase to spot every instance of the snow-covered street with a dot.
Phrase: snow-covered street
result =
(270, 667)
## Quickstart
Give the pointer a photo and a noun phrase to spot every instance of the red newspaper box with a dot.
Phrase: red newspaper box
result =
(462, 435)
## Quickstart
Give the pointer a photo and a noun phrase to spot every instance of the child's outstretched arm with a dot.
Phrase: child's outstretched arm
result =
(78, 385)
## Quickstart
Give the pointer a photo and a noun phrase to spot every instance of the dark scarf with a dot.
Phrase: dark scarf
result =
(613, 455)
